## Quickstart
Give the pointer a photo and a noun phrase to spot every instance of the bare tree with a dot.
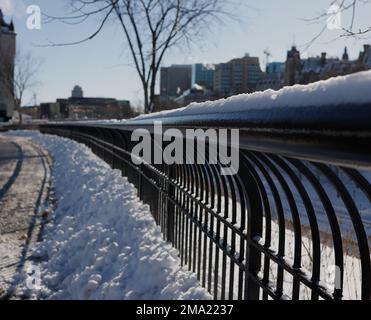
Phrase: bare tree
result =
(353, 6)
(150, 28)
(342, 7)
(20, 75)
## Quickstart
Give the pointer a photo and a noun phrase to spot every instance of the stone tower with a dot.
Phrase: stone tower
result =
(293, 67)
(7, 57)
(345, 57)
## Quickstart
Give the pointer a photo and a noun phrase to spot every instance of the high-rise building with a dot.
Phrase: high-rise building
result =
(204, 75)
(223, 79)
(237, 76)
(275, 68)
(7, 56)
(174, 80)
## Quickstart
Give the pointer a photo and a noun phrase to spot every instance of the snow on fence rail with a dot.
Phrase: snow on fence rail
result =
(294, 223)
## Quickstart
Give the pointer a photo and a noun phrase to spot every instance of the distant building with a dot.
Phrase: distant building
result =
(204, 75)
(312, 69)
(237, 76)
(223, 79)
(63, 108)
(293, 67)
(174, 80)
(270, 81)
(275, 68)
(50, 111)
(99, 108)
(345, 57)
(364, 60)
(78, 107)
(77, 92)
(273, 77)
(7, 56)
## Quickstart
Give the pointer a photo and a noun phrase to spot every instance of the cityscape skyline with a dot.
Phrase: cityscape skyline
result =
(112, 75)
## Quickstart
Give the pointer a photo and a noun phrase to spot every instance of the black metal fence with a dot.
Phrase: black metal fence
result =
(294, 223)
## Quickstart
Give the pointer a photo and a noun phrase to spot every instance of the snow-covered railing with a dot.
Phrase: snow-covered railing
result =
(293, 223)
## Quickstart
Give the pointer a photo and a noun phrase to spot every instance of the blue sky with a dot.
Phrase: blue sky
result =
(103, 66)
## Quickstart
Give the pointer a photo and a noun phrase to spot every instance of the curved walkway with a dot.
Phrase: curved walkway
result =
(24, 194)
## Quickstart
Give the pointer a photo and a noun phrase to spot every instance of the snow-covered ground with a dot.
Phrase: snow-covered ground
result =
(101, 241)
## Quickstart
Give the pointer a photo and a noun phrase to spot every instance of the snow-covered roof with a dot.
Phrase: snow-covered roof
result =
(334, 64)
(197, 87)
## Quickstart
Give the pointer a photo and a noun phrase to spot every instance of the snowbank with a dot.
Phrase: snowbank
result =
(102, 243)
(350, 89)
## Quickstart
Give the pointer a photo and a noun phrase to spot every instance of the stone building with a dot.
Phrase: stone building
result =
(312, 69)
(7, 57)
(293, 67)
(78, 107)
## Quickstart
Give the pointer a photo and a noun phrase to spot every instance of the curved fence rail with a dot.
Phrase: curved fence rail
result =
(294, 223)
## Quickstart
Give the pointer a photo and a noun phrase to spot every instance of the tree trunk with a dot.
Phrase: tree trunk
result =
(146, 99)
(154, 74)
(152, 94)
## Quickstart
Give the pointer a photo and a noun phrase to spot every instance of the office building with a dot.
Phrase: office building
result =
(174, 80)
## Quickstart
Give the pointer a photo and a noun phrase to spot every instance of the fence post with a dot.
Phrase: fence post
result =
(170, 207)
(254, 230)
(140, 182)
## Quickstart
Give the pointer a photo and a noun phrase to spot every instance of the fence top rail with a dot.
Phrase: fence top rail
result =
(338, 134)
(344, 118)
(328, 120)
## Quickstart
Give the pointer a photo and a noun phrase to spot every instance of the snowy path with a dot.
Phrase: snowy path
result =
(24, 183)
(102, 242)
